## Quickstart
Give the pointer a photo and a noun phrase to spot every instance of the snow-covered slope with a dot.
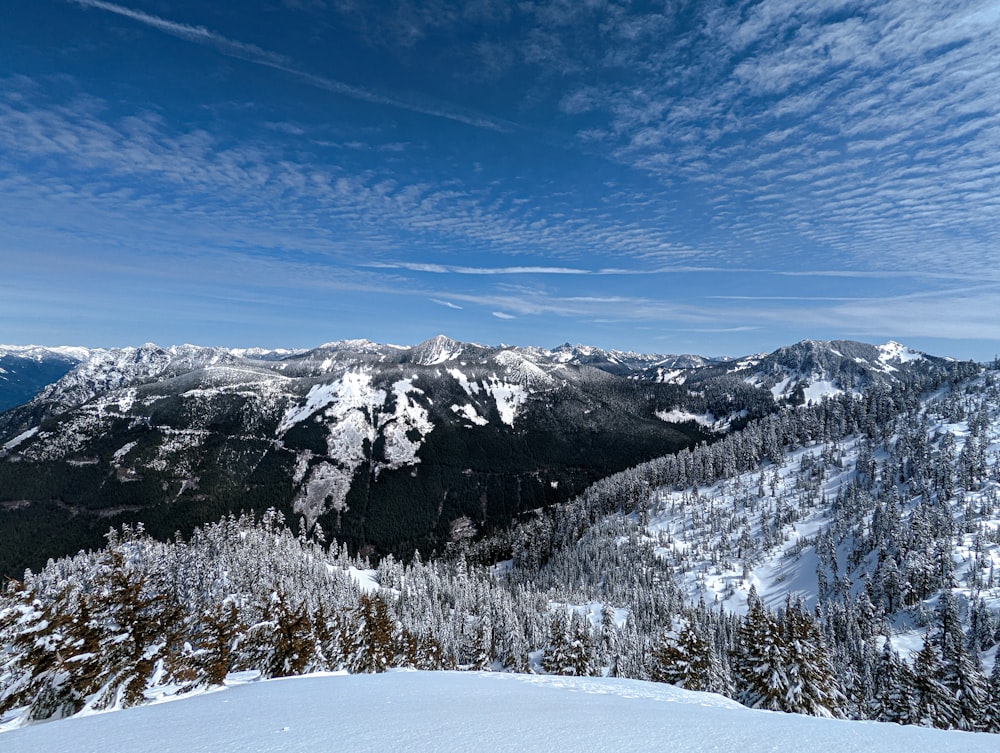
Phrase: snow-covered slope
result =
(26, 369)
(418, 437)
(328, 431)
(420, 712)
(851, 516)
(806, 371)
(41, 352)
(108, 370)
(812, 369)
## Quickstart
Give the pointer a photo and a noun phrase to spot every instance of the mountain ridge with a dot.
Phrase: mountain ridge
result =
(391, 448)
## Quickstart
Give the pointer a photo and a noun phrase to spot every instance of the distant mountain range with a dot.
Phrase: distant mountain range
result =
(385, 447)
(26, 369)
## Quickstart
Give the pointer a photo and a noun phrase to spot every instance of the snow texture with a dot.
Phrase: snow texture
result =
(20, 438)
(893, 351)
(422, 712)
(509, 398)
(681, 521)
(356, 414)
(677, 416)
(468, 412)
(40, 352)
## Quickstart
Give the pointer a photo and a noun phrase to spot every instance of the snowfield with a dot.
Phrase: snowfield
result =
(431, 712)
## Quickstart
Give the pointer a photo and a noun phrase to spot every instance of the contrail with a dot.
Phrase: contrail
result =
(254, 54)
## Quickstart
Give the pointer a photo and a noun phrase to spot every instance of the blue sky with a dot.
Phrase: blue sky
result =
(710, 177)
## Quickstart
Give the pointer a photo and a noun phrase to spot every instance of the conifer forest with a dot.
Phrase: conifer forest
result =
(837, 559)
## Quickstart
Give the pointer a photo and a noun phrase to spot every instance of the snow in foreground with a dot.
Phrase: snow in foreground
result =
(426, 712)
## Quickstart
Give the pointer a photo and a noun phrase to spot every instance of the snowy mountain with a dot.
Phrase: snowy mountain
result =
(900, 517)
(836, 559)
(812, 369)
(421, 712)
(623, 363)
(876, 514)
(387, 447)
(26, 369)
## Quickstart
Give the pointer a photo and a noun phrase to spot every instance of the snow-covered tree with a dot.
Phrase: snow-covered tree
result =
(760, 660)
(368, 636)
(813, 687)
(933, 705)
(687, 659)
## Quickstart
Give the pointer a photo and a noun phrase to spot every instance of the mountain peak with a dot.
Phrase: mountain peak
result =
(437, 349)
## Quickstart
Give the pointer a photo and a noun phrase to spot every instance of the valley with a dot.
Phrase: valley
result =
(832, 555)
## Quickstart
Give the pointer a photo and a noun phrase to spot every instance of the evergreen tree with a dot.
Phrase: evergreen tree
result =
(933, 705)
(760, 659)
(960, 672)
(894, 695)
(813, 687)
(581, 647)
(49, 665)
(216, 635)
(138, 625)
(477, 655)
(991, 714)
(283, 641)
(369, 636)
(556, 657)
(687, 659)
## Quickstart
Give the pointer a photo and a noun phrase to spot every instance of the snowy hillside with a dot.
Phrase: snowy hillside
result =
(26, 369)
(421, 712)
(825, 554)
(870, 514)
(388, 448)
(836, 560)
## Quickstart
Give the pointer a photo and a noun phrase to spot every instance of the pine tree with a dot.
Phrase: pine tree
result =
(687, 659)
(581, 646)
(991, 715)
(608, 647)
(960, 672)
(216, 635)
(49, 663)
(556, 659)
(369, 640)
(328, 653)
(138, 626)
(813, 687)
(894, 696)
(933, 705)
(293, 643)
(477, 655)
(760, 660)
(428, 654)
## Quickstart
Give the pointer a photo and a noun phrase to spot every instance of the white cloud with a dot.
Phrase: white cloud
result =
(865, 131)
(486, 271)
(137, 170)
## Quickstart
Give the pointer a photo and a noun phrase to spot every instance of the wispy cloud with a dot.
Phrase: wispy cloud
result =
(788, 298)
(254, 54)
(138, 169)
(187, 32)
(486, 271)
(718, 330)
(868, 131)
(503, 315)
(446, 304)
